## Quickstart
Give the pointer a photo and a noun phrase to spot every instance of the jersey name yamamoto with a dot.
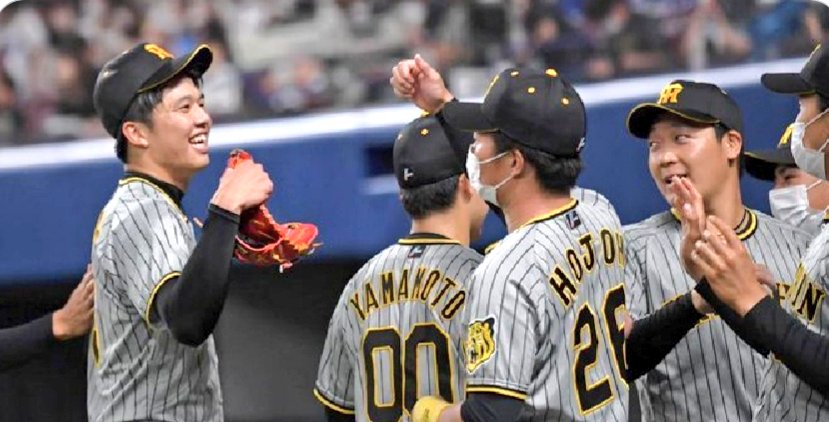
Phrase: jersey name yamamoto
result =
(137, 370)
(784, 396)
(546, 317)
(711, 374)
(397, 331)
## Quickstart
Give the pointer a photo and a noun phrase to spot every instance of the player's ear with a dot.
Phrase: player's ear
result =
(518, 163)
(733, 144)
(135, 134)
(465, 189)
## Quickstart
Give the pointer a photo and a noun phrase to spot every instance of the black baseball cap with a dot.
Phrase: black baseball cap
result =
(695, 101)
(423, 155)
(535, 108)
(814, 77)
(139, 69)
(761, 164)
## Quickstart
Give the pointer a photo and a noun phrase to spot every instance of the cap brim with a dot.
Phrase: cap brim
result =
(786, 83)
(467, 117)
(641, 118)
(198, 60)
(762, 164)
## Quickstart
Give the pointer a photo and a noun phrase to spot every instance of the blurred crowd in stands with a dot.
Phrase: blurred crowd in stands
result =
(286, 57)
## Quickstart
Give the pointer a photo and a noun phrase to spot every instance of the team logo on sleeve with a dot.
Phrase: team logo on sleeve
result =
(480, 343)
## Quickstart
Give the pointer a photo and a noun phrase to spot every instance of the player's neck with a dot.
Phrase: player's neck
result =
(727, 205)
(160, 173)
(530, 206)
(446, 224)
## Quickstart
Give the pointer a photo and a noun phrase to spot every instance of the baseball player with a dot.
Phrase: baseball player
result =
(797, 198)
(694, 136)
(545, 315)
(417, 81)
(397, 332)
(159, 292)
(21, 343)
(796, 387)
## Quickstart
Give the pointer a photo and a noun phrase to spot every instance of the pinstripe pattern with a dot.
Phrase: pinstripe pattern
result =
(138, 371)
(533, 353)
(428, 291)
(784, 397)
(711, 374)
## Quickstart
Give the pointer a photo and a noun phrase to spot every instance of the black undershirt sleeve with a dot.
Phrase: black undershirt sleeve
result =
(190, 305)
(334, 416)
(731, 318)
(803, 351)
(487, 407)
(22, 343)
(655, 335)
(460, 142)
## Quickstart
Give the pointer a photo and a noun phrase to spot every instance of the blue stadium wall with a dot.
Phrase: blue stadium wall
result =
(333, 170)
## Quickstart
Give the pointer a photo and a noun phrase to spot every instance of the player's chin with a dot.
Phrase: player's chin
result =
(198, 161)
(667, 194)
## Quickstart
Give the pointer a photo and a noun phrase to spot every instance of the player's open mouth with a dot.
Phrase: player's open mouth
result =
(669, 179)
(199, 142)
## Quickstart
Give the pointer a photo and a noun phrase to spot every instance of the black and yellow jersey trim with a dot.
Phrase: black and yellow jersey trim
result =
(329, 404)
(745, 228)
(491, 246)
(507, 392)
(427, 239)
(157, 287)
(554, 213)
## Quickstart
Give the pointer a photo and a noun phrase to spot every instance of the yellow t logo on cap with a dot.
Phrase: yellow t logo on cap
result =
(787, 135)
(491, 84)
(670, 94)
(158, 51)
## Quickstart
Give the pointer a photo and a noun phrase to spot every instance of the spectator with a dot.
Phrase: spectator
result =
(11, 121)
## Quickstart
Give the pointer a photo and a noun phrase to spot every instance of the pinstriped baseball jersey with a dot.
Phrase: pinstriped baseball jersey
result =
(546, 317)
(784, 396)
(397, 331)
(137, 370)
(711, 374)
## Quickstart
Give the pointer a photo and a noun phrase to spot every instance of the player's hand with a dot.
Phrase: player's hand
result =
(245, 186)
(766, 279)
(428, 409)
(725, 263)
(416, 80)
(687, 201)
(74, 319)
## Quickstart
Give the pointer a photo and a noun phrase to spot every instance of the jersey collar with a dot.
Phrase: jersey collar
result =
(171, 190)
(427, 239)
(745, 228)
(553, 214)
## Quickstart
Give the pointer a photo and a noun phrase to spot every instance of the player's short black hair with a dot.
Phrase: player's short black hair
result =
(556, 175)
(142, 106)
(423, 200)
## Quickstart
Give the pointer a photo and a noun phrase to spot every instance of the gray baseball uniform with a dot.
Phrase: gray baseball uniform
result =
(137, 370)
(784, 397)
(546, 317)
(397, 331)
(711, 374)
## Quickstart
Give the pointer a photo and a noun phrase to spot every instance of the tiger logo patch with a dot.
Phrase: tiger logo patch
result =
(480, 343)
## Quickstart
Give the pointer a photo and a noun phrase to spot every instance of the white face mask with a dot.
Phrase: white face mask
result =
(791, 205)
(473, 169)
(808, 160)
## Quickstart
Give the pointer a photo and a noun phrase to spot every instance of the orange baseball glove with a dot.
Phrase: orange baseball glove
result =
(264, 242)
